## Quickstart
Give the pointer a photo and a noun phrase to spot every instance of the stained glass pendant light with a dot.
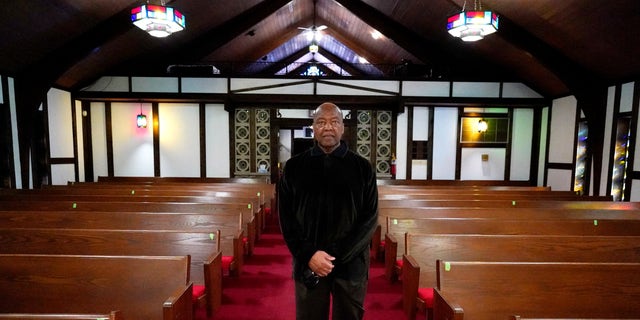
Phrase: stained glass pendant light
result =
(158, 20)
(472, 25)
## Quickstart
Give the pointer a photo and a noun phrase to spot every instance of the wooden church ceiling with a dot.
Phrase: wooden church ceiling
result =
(555, 47)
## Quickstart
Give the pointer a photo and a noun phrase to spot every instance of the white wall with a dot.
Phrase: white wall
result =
(472, 166)
(132, 146)
(444, 143)
(99, 140)
(521, 142)
(179, 134)
(60, 135)
(401, 145)
(561, 142)
(217, 131)
(562, 130)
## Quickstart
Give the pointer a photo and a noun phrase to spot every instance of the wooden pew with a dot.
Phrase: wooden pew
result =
(562, 210)
(261, 184)
(140, 287)
(498, 290)
(419, 266)
(456, 183)
(398, 227)
(204, 248)
(249, 225)
(490, 195)
(516, 317)
(259, 195)
(114, 315)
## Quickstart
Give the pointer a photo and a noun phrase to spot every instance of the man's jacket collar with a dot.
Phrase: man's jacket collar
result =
(340, 151)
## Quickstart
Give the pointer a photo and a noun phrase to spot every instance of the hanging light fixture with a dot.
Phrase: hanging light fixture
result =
(313, 47)
(482, 125)
(141, 119)
(472, 25)
(158, 20)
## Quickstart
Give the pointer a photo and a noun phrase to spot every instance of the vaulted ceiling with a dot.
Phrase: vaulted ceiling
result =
(555, 47)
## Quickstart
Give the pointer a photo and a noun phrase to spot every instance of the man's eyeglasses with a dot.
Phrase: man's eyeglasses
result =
(324, 124)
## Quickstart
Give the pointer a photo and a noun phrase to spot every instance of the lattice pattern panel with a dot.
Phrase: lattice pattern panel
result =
(363, 131)
(262, 141)
(383, 142)
(242, 148)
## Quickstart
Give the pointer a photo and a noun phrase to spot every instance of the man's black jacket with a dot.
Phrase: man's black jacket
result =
(329, 202)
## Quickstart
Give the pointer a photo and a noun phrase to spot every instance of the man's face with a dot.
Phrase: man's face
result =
(328, 128)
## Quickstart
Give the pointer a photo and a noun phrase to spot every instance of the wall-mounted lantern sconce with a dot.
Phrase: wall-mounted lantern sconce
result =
(482, 125)
(141, 119)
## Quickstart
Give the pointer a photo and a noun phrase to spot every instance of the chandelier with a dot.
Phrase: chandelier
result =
(158, 20)
(472, 25)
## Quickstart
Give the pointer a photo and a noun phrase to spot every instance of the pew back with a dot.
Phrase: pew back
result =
(497, 290)
(141, 287)
(114, 315)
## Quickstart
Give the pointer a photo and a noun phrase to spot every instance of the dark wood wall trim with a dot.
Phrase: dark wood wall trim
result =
(546, 151)
(87, 142)
(409, 155)
(63, 160)
(535, 147)
(560, 166)
(458, 144)
(74, 134)
(109, 134)
(203, 139)
(156, 138)
(507, 155)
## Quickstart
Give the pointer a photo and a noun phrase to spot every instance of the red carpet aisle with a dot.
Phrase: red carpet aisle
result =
(264, 291)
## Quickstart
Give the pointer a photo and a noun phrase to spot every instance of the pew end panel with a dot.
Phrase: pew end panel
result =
(390, 257)
(213, 283)
(179, 306)
(410, 276)
(444, 310)
(237, 261)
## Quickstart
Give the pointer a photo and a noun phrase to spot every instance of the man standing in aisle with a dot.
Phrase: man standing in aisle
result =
(328, 202)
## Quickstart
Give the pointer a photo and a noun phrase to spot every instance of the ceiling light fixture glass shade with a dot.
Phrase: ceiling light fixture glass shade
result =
(472, 25)
(158, 21)
(313, 47)
(482, 125)
(141, 121)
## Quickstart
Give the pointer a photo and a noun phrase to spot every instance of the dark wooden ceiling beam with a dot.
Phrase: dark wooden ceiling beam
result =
(432, 53)
(33, 82)
(208, 42)
(278, 65)
(354, 71)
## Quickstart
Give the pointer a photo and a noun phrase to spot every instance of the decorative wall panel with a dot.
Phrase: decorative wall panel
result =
(262, 141)
(243, 141)
(252, 132)
(374, 133)
(383, 142)
(363, 144)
